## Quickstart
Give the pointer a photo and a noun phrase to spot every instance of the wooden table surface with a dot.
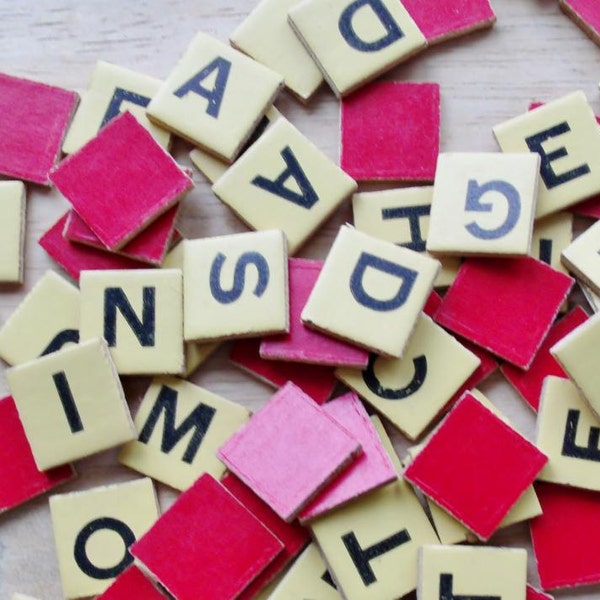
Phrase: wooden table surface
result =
(534, 51)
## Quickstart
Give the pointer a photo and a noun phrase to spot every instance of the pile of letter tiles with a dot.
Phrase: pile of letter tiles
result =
(307, 497)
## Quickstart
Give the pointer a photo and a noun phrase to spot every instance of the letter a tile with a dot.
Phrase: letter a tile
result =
(370, 292)
(476, 573)
(235, 286)
(567, 431)
(570, 172)
(283, 181)
(214, 97)
(269, 453)
(94, 529)
(220, 546)
(12, 231)
(479, 481)
(355, 41)
(71, 404)
(180, 427)
(139, 314)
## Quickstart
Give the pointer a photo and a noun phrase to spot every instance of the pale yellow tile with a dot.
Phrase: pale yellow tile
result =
(551, 236)
(483, 204)
(567, 432)
(566, 131)
(391, 515)
(12, 231)
(592, 298)
(351, 42)
(71, 404)
(370, 292)
(387, 443)
(411, 391)
(139, 313)
(93, 529)
(235, 286)
(306, 579)
(180, 427)
(45, 318)
(401, 216)
(577, 354)
(284, 181)
(582, 257)
(472, 572)
(212, 167)
(22, 597)
(214, 97)
(109, 85)
(267, 37)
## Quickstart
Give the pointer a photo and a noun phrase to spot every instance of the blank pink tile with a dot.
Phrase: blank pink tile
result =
(74, 258)
(439, 20)
(303, 344)
(475, 466)
(33, 120)
(586, 13)
(505, 305)
(289, 451)
(372, 469)
(315, 380)
(120, 181)
(391, 131)
(149, 246)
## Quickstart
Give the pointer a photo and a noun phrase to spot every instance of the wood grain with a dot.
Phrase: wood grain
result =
(534, 52)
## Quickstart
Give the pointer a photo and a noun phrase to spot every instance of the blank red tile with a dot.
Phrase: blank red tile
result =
(306, 345)
(529, 383)
(120, 181)
(21, 479)
(533, 594)
(505, 305)
(391, 131)
(207, 545)
(475, 466)
(132, 584)
(293, 537)
(149, 246)
(289, 451)
(439, 20)
(565, 537)
(74, 258)
(34, 118)
(315, 380)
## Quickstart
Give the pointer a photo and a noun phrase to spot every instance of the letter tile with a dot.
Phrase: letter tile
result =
(12, 231)
(582, 257)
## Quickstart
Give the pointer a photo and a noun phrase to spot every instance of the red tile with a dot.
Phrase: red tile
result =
(533, 594)
(207, 545)
(498, 304)
(132, 584)
(475, 466)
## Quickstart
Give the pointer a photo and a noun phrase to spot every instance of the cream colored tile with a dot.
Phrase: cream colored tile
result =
(371, 544)
(214, 97)
(576, 353)
(267, 37)
(12, 231)
(71, 404)
(582, 257)
(307, 578)
(412, 391)
(112, 90)
(180, 427)
(235, 286)
(551, 236)
(94, 528)
(139, 313)
(284, 181)
(212, 167)
(401, 216)
(592, 298)
(370, 292)
(472, 572)
(568, 431)
(565, 133)
(354, 42)
(22, 597)
(46, 318)
(483, 203)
